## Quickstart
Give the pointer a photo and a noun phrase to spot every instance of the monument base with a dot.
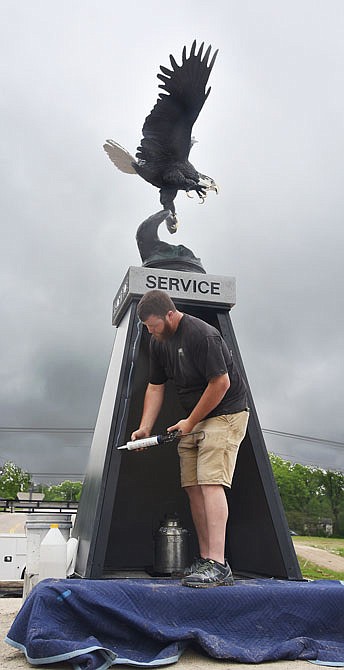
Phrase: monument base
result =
(127, 494)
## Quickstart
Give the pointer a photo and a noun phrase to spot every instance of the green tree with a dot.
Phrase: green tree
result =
(297, 484)
(302, 492)
(333, 483)
(67, 490)
(12, 480)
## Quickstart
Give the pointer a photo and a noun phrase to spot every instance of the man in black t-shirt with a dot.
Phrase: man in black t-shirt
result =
(212, 392)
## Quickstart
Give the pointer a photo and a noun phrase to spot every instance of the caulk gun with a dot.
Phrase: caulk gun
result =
(152, 441)
(159, 439)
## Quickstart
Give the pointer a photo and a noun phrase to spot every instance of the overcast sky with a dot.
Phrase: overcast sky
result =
(75, 73)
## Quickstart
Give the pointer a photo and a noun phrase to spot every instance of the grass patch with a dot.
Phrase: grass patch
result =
(311, 570)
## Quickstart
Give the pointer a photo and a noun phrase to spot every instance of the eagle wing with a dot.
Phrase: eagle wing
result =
(167, 129)
(120, 157)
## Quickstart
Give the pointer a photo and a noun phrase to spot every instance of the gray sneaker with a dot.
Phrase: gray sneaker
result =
(195, 565)
(210, 573)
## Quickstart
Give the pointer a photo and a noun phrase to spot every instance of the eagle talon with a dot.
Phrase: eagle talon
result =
(201, 191)
(189, 195)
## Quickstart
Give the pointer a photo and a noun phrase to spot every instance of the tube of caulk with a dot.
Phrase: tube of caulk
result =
(146, 442)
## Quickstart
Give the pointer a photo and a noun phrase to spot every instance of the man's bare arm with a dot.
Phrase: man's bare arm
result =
(154, 397)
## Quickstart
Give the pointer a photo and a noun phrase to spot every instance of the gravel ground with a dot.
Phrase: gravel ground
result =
(320, 556)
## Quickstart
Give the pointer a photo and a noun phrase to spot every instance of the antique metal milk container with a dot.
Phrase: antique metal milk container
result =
(170, 546)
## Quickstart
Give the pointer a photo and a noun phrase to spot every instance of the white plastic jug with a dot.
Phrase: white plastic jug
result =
(53, 555)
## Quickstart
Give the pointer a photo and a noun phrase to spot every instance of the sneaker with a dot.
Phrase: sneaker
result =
(195, 565)
(210, 573)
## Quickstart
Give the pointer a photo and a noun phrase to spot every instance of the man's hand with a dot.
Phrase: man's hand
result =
(139, 434)
(184, 426)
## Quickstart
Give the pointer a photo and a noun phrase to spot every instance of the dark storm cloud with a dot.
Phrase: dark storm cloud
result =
(271, 134)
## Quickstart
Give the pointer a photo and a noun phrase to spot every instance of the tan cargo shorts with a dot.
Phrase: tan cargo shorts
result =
(210, 456)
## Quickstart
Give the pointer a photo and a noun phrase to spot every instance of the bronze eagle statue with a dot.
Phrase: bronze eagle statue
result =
(162, 158)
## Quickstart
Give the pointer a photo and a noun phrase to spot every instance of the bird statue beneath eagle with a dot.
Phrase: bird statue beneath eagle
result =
(162, 158)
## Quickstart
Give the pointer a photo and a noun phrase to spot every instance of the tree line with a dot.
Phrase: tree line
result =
(313, 498)
(310, 496)
(14, 480)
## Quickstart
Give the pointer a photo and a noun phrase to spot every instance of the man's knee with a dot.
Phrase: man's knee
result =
(193, 491)
(211, 488)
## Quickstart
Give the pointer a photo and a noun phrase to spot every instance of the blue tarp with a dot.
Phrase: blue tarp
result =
(149, 622)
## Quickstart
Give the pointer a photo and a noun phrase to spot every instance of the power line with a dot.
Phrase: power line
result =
(306, 438)
(57, 474)
(278, 433)
(301, 461)
(25, 429)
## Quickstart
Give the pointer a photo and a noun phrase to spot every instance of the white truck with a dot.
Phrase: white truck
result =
(12, 556)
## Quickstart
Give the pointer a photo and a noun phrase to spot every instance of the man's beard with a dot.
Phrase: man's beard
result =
(166, 334)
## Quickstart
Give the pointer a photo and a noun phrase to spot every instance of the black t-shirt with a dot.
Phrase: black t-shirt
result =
(195, 354)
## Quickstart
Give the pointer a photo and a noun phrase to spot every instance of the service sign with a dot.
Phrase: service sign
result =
(190, 287)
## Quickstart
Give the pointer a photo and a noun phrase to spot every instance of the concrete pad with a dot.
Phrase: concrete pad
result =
(11, 522)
